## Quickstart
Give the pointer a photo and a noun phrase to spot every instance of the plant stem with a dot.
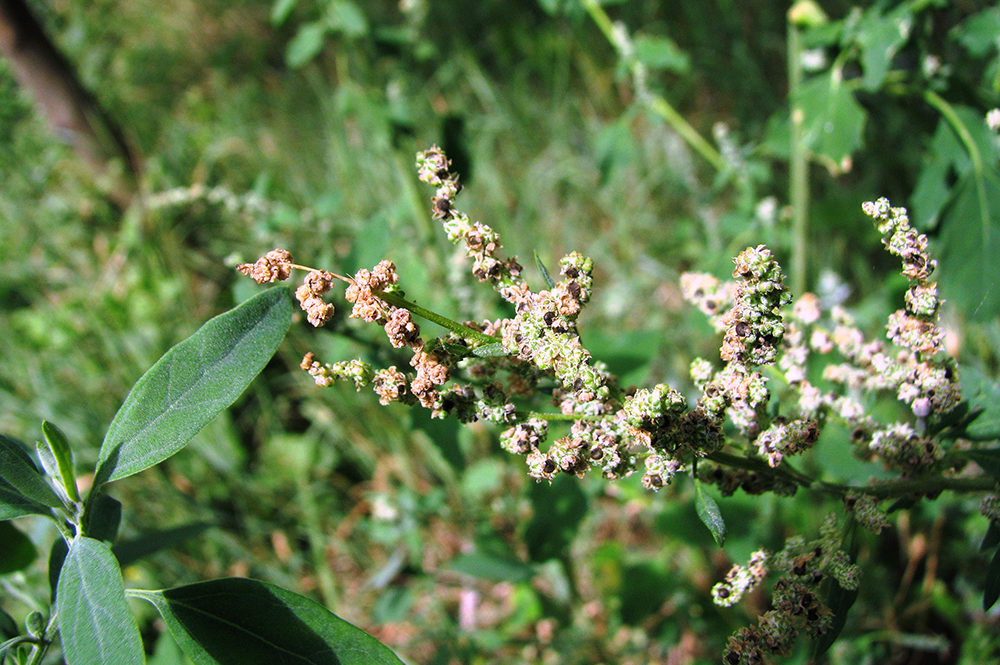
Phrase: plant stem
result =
(467, 333)
(654, 102)
(882, 489)
(798, 186)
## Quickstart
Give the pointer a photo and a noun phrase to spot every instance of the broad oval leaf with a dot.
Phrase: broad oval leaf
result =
(192, 383)
(20, 474)
(236, 621)
(95, 622)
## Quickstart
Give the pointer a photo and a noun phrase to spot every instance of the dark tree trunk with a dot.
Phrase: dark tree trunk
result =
(72, 112)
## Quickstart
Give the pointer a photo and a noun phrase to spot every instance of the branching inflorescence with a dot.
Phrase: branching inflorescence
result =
(479, 369)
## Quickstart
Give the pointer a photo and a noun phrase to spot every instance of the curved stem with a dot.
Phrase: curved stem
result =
(469, 334)
(654, 102)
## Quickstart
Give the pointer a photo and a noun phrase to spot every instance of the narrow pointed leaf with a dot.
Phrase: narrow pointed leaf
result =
(21, 475)
(991, 589)
(545, 273)
(709, 514)
(992, 537)
(192, 383)
(236, 621)
(95, 622)
(8, 627)
(59, 447)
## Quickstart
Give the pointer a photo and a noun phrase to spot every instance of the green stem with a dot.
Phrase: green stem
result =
(882, 490)
(948, 113)
(798, 186)
(467, 333)
(655, 102)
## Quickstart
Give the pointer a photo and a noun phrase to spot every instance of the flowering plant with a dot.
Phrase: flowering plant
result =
(733, 434)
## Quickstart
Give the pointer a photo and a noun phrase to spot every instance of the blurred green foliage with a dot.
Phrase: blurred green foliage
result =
(294, 123)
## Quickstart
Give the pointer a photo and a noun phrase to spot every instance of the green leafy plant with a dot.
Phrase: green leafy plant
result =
(218, 621)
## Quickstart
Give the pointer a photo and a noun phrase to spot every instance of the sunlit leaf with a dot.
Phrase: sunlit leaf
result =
(280, 10)
(20, 476)
(192, 383)
(95, 622)
(306, 44)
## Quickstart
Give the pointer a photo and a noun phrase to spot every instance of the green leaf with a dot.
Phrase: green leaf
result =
(933, 190)
(543, 270)
(969, 244)
(644, 588)
(833, 121)
(880, 37)
(133, 549)
(840, 602)
(57, 557)
(14, 504)
(991, 587)
(245, 622)
(58, 446)
(988, 458)
(958, 191)
(345, 17)
(280, 11)
(19, 473)
(661, 53)
(192, 383)
(708, 513)
(8, 627)
(979, 32)
(95, 622)
(983, 396)
(992, 537)
(18, 552)
(490, 351)
(306, 44)
(104, 516)
(559, 509)
(492, 559)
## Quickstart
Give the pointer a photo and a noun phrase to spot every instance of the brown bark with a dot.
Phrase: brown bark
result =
(71, 111)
